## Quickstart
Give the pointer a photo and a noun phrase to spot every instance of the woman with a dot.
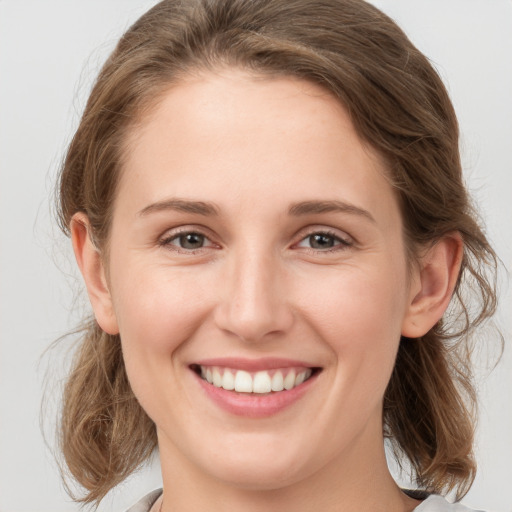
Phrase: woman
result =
(266, 203)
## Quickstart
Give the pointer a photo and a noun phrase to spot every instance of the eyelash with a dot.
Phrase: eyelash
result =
(167, 241)
(339, 242)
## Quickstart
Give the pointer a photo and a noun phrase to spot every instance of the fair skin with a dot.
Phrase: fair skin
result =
(254, 232)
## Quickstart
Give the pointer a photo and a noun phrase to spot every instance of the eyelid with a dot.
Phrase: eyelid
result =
(344, 238)
(170, 234)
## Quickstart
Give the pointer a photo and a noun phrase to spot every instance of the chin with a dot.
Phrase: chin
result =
(260, 471)
(260, 479)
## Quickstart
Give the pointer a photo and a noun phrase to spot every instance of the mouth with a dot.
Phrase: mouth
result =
(261, 382)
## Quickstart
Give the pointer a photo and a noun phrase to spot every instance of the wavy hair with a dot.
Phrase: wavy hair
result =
(398, 105)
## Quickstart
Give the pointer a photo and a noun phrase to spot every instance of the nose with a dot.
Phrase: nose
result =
(253, 304)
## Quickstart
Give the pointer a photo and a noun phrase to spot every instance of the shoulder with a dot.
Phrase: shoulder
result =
(438, 504)
(432, 504)
(145, 503)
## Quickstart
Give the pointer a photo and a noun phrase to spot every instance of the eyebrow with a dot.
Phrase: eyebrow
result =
(312, 207)
(297, 209)
(181, 205)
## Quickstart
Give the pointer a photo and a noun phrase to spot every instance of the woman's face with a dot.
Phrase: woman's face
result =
(256, 243)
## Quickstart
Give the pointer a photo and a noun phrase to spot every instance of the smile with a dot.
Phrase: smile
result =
(254, 388)
(260, 382)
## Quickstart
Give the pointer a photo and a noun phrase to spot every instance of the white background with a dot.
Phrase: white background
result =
(49, 53)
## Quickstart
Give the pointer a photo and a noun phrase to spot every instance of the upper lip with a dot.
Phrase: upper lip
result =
(253, 365)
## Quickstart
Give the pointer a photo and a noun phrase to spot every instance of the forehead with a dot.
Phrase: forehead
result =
(253, 136)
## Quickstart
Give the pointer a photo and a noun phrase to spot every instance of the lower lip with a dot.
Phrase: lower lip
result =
(254, 405)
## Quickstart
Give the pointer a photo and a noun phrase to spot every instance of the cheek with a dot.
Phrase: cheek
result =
(157, 310)
(358, 312)
(357, 300)
(156, 315)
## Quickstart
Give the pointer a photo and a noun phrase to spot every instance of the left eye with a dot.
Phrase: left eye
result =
(188, 241)
(322, 241)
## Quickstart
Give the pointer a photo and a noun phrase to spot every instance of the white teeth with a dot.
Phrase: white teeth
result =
(298, 380)
(277, 382)
(262, 383)
(289, 380)
(228, 380)
(302, 376)
(243, 382)
(259, 382)
(217, 378)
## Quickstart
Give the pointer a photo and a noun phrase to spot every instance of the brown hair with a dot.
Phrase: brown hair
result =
(398, 105)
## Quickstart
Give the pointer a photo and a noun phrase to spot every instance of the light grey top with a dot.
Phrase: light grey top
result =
(438, 504)
(144, 504)
(432, 504)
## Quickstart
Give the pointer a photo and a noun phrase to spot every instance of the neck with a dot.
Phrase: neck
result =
(358, 479)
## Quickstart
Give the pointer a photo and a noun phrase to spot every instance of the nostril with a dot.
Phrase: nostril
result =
(253, 313)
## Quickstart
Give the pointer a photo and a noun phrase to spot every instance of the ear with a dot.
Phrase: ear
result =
(91, 266)
(433, 285)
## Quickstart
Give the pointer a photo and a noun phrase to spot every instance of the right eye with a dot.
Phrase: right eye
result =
(186, 241)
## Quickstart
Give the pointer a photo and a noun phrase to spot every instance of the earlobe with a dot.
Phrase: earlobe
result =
(435, 282)
(91, 266)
